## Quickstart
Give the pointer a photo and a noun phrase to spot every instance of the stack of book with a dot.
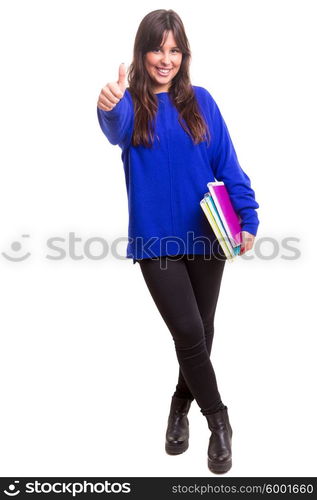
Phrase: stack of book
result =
(223, 219)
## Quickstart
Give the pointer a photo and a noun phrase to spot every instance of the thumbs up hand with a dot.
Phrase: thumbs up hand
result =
(122, 78)
(113, 92)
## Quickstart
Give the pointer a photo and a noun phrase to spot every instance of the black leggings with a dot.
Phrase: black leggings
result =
(185, 289)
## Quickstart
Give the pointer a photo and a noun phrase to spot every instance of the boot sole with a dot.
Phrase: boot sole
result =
(176, 449)
(219, 468)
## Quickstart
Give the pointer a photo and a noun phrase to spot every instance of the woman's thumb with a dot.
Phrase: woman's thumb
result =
(122, 77)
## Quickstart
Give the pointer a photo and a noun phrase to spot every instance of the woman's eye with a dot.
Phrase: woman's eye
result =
(173, 50)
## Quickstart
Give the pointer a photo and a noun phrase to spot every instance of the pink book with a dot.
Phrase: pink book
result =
(229, 218)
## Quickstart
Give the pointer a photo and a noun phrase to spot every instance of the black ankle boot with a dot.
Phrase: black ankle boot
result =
(219, 449)
(177, 432)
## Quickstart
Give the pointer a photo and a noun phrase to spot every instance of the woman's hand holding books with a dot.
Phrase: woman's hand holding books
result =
(247, 242)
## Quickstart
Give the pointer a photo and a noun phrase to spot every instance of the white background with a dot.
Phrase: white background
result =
(87, 365)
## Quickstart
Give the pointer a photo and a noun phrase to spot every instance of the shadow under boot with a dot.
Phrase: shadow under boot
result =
(177, 433)
(219, 449)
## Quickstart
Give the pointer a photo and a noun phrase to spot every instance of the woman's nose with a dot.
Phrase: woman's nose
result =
(165, 59)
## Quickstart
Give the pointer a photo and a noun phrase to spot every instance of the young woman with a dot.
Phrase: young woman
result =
(173, 141)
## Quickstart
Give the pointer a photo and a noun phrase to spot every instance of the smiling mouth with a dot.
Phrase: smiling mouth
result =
(163, 72)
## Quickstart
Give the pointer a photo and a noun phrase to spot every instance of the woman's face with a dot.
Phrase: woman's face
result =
(163, 63)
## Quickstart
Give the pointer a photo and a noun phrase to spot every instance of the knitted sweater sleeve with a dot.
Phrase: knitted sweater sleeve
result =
(226, 168)
(117, 124)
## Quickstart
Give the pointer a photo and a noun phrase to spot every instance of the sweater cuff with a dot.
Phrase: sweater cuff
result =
(250, 228)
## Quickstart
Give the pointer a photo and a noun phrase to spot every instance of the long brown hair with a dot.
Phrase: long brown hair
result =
(151, 34)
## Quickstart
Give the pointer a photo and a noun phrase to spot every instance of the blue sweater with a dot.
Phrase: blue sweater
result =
(165, 183)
